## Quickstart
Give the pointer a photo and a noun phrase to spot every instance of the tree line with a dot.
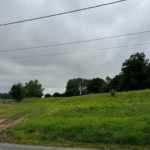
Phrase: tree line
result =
(4, 96)
(134, 75)
(30, 89)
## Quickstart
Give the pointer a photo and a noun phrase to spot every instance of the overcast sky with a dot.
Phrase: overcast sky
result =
(53, 72)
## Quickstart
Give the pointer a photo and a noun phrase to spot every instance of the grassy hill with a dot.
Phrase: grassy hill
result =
(95, 121)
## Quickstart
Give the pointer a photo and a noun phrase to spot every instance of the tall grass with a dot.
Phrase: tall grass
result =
(94, 118)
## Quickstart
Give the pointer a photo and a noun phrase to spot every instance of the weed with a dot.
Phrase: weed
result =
(113, 92)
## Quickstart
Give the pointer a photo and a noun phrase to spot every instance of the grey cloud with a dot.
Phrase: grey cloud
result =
(54, 71)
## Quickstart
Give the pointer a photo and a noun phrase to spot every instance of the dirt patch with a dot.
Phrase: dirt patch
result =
(13, 103)
(9, 104)
(2, 137)
(4, 105)
(6, 116)
(2, 120)
(13, 123)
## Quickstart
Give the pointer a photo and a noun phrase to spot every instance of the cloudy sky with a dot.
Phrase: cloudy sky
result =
(53, 72)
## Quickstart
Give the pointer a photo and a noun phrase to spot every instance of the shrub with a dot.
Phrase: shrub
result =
(56, 94)
(47, 95)
(113, 92)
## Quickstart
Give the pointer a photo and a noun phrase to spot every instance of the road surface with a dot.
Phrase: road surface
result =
(21, 147)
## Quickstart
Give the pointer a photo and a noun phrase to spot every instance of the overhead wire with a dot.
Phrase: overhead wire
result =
(125, 46)
(62, 13)
(76, 42)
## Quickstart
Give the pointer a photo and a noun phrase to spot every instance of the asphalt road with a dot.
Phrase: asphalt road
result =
(21, 147)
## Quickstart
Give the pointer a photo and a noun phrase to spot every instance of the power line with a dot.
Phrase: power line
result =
(135, 45)
(62, 13)
(77, 42)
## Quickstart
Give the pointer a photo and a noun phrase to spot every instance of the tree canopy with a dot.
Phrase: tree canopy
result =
(76, 87)
(134, 75)
(4, 96)
(34, 89)
(47, 95)
(95, 85)
(56, 94)
(17, 92)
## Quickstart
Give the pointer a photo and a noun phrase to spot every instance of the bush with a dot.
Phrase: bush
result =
(56, 94)
(113, 92)
(70, 93)
(47, 95)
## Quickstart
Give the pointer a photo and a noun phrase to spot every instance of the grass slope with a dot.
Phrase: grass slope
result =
(95, 120)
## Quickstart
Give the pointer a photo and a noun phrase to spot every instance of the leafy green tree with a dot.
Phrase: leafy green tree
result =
(34, 89)
(4, 96)
(135, 74)
(95, 85)
(63, 95)
(82, 84)
(105, 87)
(85, 92)
(117, 83)
(47, 95)
(56, 94)
(72, 88)
(135, 71)
(76, 87)
(17, 92)
(108, 79)
(70, 93)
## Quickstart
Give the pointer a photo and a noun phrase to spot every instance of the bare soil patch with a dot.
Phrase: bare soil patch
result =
(2, 120)
(9, 104)
(4, 105)
(13, 103)
(13, 123)
(6, 116)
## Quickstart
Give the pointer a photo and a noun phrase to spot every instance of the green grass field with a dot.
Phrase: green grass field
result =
(94, 121)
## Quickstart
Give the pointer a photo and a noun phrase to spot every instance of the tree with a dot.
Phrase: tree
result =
(108, 79)
(135, 72)
(17, 92)
(56, 94)
(63, 95)
(34, 89)
(117, 83)
(72, 88)
(84, 92)
(70, 93)
(82, 84)
(76, 87)
(105, 87)
(47, 95)
(95, 85)
(4, 96)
